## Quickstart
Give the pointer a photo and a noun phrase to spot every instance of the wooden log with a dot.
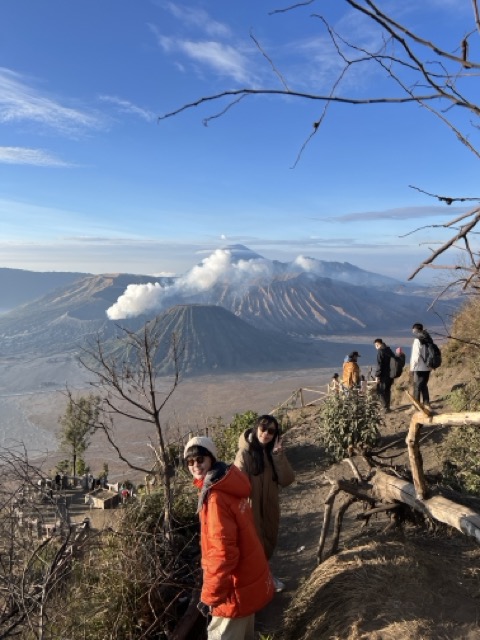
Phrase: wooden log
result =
(420, 418)
(330, 499)
(416, 461)
(338, 525)
(418, 405)
(459, 516)
(447, 419)
(186, 623)
(366, 515)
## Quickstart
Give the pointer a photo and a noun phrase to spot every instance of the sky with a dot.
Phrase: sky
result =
(93, 179)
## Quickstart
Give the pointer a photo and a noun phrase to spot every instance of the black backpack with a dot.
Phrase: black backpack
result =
(396, 365)
(431, 354)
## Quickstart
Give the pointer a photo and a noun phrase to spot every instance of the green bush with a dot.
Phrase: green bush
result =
(461, 468)
(226, 437)
(349, 421)
(461, 449)
(465, 397)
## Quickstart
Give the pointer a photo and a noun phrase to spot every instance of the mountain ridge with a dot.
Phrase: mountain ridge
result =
(283, 300)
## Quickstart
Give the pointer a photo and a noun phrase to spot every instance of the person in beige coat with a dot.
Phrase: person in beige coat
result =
(261, 456)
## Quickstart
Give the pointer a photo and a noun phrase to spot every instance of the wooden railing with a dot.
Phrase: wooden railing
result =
(302, 397)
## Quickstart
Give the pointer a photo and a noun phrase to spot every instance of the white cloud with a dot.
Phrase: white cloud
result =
(20, 102)
(403, 213)
(128, 107)
(199, 19)
(222, 58)
(35, 157)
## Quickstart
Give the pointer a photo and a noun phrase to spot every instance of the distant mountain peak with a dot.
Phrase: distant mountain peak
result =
(241, 252)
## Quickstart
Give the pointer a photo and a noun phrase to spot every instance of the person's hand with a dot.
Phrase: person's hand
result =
(277, 447)
(204, 609)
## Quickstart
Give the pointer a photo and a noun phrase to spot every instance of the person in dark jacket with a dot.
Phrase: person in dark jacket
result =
(383, 372)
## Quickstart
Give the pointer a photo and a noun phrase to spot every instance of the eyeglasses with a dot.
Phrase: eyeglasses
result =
(197, 459)
(271, 430)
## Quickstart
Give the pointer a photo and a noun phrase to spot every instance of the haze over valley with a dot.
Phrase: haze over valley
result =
(251, 331)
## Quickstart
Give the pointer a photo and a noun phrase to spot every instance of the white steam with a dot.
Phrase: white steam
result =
(306, 264)
(218, 268)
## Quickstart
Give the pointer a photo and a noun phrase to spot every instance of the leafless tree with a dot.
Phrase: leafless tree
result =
(37, 545)
(127, 379)
(439, 77)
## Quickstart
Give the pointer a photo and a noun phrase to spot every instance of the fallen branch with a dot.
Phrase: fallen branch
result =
(461, 517)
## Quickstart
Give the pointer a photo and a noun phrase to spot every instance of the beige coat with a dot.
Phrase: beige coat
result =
(264, 497)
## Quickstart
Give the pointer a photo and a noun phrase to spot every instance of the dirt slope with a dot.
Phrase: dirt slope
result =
(409, 583)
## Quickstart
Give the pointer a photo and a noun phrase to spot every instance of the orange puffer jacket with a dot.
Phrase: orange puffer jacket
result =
(351, 374)
(236, 576)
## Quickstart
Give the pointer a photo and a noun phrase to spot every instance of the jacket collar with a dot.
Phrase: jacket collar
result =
(216, 473)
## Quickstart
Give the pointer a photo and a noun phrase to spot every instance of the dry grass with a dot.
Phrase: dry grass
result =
(390, 590)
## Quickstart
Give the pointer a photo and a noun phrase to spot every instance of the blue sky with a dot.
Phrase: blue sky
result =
(92, 181)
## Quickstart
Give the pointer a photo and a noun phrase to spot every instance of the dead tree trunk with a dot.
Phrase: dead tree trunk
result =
(456, 515)
(419, 419)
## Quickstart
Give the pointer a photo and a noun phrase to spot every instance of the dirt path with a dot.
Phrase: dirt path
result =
(302, 514)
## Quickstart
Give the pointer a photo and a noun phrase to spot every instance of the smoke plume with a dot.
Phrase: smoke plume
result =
(218, 268)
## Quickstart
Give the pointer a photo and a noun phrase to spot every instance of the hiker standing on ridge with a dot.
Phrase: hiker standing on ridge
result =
(421, 372)
(236, 577)
(335, 384)
(383, 372)
(261, 456)
(351, 371)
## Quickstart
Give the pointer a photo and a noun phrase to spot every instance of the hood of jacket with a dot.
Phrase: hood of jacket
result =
(223, 478)
(245, 439)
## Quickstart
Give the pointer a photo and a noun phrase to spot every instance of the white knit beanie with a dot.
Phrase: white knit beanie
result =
(201, 441)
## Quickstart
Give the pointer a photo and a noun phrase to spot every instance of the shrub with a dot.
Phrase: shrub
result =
(464, 346)
(461, 449)
(349, 421)
(226, 438)
(128, 585)
(461, 468)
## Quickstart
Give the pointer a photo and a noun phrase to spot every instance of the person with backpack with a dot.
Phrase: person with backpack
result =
(419, 364)
(383, 372)
(399, 363)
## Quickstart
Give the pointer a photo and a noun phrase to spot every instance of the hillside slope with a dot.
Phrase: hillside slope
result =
(61, 320)
(308, 305)
(407, 584)
(19, 286)
(210, 339)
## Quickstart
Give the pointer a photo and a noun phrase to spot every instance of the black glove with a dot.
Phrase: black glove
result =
(204, 609)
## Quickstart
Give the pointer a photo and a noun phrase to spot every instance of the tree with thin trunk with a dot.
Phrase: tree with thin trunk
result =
(77, 426)
(127, 378)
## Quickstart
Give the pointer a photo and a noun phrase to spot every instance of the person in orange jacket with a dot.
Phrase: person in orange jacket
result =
(236, 576)
(351, 371)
